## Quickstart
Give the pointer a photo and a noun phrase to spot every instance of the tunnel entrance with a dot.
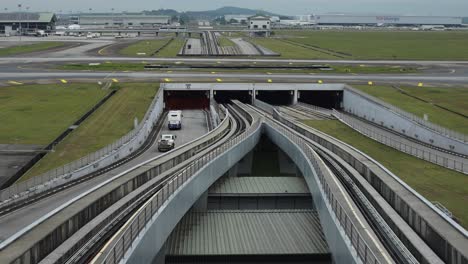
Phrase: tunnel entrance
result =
(325, 99)
(276, 97)
(223, 97)
(176, 100)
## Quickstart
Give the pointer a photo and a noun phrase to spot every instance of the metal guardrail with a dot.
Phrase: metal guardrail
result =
(396, 144)
(46, 180)
(357, 242)
(145, 214)
(439, 129)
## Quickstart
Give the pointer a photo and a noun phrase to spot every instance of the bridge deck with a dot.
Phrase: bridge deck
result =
(194, 126)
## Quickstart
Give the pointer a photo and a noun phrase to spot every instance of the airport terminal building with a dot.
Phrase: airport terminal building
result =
(11, 23)
(380, 20)
(119, 20)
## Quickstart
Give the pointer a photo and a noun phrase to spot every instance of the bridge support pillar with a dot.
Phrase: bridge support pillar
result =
(157, 33)
(295, 97)
(139, 33)
(189, 34)
(202, 204)
(177, 34)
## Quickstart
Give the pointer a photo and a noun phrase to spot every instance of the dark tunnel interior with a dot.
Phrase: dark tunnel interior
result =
(175, 100)
(223, 97)
(276, 97)
(325, 99)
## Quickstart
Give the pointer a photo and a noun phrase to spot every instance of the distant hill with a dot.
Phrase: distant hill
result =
(211, 14)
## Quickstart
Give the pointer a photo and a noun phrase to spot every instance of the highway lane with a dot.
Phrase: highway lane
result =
(139, 59)
(182, 76)
(194, 126)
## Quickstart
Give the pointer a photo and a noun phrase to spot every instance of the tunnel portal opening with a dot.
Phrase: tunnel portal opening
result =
(276, 97)
(325, 99)
(175, 100)
(224, 97)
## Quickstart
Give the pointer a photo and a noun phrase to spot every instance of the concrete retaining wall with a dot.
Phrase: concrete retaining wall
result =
(368, 109)
(146, 247)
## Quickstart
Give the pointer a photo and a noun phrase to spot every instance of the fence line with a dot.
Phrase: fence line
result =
(358, 243)
(92, 161)
(146, 213)
(437, 128)
(396, 144)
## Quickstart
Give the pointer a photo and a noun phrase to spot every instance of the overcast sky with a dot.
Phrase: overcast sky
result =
(289, 7)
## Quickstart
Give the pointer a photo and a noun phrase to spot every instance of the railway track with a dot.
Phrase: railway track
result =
(35, 198)
(89, 251)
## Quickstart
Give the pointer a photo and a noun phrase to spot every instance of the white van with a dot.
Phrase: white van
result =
(174, 119)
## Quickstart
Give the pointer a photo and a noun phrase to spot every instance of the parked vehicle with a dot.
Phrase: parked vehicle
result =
(174, 119)
(167, 142)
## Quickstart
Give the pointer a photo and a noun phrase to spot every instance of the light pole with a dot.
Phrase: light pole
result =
(19, 18)
(112, 17)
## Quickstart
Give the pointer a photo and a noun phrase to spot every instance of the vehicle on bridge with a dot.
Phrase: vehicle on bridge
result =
(167, 142)
(174, 119)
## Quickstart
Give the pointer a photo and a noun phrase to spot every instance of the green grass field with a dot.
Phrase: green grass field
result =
(434, 182)
(386, 45)
(37, 114)
(225, 42)
(22, 49)
(110, 122)
(172, 49)
(290, 51)
(452, 98)
(145, 46)
(455, 99)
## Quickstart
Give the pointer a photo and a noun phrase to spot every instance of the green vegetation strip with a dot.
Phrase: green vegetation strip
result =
(21, 49)
(110, 122)
(37, 114)
(110, 66)
(386, 45)
(450, 97)
(290, 51)
(172, 49)
(148, 47)
(432, 181)
(225, 42)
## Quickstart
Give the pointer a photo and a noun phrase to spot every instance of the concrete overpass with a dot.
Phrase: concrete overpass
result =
(364, 220)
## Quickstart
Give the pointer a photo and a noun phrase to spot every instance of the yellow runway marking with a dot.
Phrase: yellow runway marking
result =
(167, 80)
(115, 80)
(15, 83)
(219, 80)
(64, 81)
(320, 81)
(213, 72)
(370, 83)
(420, 84)
(270, 80)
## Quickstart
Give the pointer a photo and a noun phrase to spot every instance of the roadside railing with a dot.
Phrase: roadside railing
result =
(92, 162)
(145, 214)
(358, 243)
(439, 129)
(403, 147)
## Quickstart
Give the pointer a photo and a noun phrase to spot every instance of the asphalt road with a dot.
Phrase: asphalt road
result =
(194, 126)
(412, 78)
(139, 59)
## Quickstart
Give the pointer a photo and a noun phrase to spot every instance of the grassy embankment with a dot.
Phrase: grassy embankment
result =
(432, 181)
(37, 114)
(22, 49)
(110, 122)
